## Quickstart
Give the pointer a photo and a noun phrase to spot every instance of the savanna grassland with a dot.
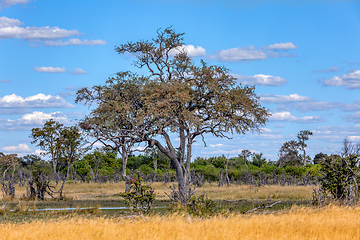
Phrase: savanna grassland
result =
(296, 223)
(294, 218)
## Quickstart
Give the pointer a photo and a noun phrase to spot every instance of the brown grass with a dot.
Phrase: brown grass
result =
(90, 190)
(301, 223)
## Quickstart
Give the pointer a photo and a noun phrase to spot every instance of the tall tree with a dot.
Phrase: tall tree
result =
(175, 97)
(71, 141)
(48, 139)
(303, 136)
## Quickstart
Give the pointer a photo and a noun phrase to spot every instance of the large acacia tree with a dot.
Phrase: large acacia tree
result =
(175, 96)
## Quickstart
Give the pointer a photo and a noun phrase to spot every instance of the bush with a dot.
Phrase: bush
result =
(209, 172)
(340, 177)
(200, 206)
(140, 198)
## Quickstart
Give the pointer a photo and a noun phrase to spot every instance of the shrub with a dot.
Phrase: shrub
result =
(200, 206)
(140, 198)
(339, 180)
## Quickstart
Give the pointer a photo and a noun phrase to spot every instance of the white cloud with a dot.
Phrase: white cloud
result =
(5, 81)
(78, 71)
(281, 46)
(272, 98)
(252, 53)
(21, 148)
(138, 148)
(39, 152)
(350, 80)
(39, 118)
(190, 50)
(29, 120)
(9, 22)
(216, 145)
(74, 42)
(50, 69)
(11, 28)
(241, 54)
(37, 101)
(36, 33)
(286, 116)
(261, 79)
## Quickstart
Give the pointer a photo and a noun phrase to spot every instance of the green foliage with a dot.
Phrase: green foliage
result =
(140, 198)
(340, 176)
(200, 206)
(258, 159)
(210, 172)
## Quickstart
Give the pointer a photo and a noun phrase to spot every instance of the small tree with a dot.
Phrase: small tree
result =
(289, 153)
(8, 162)
(71, 141)
(48, 139)
(341, 178)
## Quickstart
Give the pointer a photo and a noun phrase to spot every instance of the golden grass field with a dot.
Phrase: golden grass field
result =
(90, 190)
(297, 223)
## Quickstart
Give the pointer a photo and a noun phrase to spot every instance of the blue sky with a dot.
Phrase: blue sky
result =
(302, 56)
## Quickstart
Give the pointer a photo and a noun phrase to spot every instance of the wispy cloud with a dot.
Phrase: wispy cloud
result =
(5, 81)
(281, 46)
(74, 42)
(355, 117)
(252, 53)
(310, 106)
(261, 79)
(288, 117)
(272, 98)
(78, 71)
(350, 80)
(50, 69)
(241, 54)
(8, 3)
(328, 70)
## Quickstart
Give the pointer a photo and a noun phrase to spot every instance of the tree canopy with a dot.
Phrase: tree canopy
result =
(175, 96)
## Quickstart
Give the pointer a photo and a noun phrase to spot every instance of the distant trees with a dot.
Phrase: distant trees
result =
(59, 142)
(174, 96)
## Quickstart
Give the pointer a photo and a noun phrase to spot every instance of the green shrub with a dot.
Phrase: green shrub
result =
(140, 198)
(200, 206)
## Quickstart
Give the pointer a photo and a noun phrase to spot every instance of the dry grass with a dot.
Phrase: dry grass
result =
(266, 192)
(90, 190)
(302, 223)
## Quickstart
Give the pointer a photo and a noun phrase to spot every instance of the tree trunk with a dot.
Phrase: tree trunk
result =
(124, 155)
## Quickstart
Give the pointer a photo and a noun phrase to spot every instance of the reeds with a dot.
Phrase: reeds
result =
(298, 223)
